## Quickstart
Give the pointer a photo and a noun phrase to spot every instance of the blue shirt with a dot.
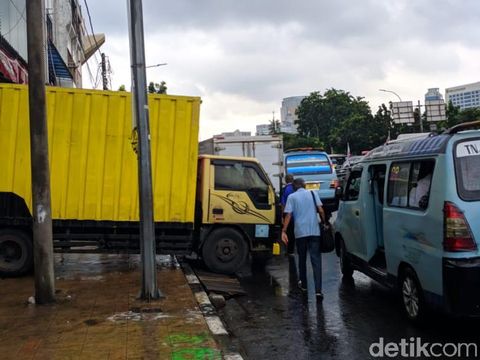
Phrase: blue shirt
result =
(287, 190)
(300, 204)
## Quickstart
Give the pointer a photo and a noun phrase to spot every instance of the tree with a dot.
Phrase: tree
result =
(337, 118)
(122, 88)
(293, 141)
(155, 88)
(274, 127)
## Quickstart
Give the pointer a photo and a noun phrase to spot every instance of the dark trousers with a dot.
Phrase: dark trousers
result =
(291, 238)
(312, 245)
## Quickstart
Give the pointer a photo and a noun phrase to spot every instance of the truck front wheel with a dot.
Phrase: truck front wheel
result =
(16, 252)
(224, 251)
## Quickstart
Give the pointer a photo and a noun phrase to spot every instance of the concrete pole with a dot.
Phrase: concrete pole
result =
(42, 218)
(104, 72)
(140, 104)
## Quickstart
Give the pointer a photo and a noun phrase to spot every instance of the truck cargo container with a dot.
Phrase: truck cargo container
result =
(94, 182)
(268, 149)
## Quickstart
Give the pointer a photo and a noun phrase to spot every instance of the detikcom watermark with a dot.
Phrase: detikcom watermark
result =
(416, 348)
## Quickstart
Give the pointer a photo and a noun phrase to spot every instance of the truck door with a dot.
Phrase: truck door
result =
(240, 193)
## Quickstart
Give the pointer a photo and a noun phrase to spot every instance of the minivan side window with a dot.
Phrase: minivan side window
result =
(352, 190)
(409, 184)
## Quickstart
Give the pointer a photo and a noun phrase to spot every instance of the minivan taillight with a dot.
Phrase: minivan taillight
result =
(457, 235)
(334, 184)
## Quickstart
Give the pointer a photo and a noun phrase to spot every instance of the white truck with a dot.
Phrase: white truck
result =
(267, 149)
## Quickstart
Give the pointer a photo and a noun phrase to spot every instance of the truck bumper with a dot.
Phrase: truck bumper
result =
(461, 279)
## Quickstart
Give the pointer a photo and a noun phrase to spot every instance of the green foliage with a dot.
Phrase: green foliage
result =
(122, 88)
(155, 88)
(291, 141)
(337, 118)
(274, 127)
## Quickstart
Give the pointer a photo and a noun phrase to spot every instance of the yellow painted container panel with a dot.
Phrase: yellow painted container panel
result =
(92, 164)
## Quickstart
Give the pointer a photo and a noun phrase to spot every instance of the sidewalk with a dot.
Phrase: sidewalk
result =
(98, 316)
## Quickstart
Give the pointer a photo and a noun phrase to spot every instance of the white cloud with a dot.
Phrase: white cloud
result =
(242, 58)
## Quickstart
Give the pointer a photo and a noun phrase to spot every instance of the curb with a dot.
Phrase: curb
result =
(213, 321)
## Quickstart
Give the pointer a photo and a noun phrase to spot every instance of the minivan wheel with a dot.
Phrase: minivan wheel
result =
(345, 263)
(224, 251)
(16, 252)
(412, 296)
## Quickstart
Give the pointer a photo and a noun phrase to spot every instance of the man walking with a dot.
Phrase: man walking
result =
(304, 205)
(286, 192)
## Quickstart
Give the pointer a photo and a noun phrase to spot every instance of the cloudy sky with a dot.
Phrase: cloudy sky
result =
(243, 57)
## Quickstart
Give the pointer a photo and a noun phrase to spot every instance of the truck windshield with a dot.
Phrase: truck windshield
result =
(467, 168)
(308, 164)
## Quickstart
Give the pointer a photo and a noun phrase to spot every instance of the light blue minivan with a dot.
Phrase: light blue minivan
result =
(409, 218)
(317, 169)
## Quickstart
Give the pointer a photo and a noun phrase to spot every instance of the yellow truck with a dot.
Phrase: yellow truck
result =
(222, 209)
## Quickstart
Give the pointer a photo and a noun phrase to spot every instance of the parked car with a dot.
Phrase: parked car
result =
(316, 168)
(408, 218)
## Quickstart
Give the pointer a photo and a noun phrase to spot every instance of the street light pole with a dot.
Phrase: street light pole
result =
(392, 92)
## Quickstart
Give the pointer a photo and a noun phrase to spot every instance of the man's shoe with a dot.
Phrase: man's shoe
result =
(319, 295)
(300, 286)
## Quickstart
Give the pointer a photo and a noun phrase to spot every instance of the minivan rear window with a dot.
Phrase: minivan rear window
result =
(467, 168)
(306, 164)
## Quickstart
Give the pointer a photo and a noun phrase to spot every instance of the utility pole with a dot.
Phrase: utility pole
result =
(104, 72)
(139, 93)
(42, 215)
(420, 116)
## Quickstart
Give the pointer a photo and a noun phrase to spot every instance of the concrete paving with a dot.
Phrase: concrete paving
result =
(98, 316)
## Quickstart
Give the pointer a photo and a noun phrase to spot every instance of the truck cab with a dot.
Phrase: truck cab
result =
(236, 214)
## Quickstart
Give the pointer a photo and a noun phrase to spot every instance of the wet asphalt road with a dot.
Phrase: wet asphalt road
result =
(276, 321)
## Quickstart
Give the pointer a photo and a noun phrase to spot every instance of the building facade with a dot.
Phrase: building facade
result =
(433, 94)
(67, 43)
(464, 96)
(235, 133)
(262, 129)
(288, 114)
(13, 42)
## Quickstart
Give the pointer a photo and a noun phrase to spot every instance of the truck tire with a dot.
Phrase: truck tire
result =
(16, 253)
(224, 251)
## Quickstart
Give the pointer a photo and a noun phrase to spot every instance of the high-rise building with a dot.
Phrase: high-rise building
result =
(433, 94)
(288, 114)
(263, 129)
(464, 96)
(68, 44)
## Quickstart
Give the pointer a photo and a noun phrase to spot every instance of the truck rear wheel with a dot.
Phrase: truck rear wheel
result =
(16, 252)
(225, 251)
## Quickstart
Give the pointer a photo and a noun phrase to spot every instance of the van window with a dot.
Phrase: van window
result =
(352, 190)
(409, 184)
(467, 168)
(308, 164)
(242, 177)
(398, 184)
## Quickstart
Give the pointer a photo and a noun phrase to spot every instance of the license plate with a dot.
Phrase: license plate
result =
(312, 186)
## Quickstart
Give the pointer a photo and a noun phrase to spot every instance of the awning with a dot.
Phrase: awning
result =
(56, 65)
